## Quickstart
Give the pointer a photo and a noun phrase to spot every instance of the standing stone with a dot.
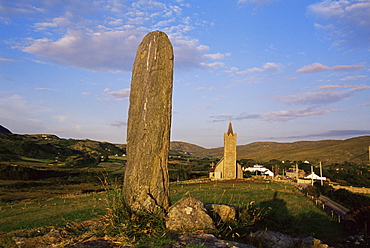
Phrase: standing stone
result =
(146, 182)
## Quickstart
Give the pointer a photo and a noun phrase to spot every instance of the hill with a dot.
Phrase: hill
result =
(328, 151)
(46, 146)
(4, 130)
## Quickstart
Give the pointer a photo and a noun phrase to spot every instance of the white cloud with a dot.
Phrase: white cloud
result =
(120, 95)
(5, 77)
(324, 95)
(255, 1)
(71, 37)
(61, 118)
(286, 115)
(188, 53)
(92, 51)
(215, 56)
(118, 124)
(205, 88)
(213, 65)
(21, 114)
(221, 117)
(275, 116)
(340, 18)
(57, 22)
(46, 89)
(353, 78)
(317, 67)
(5, 60)
(270, 67)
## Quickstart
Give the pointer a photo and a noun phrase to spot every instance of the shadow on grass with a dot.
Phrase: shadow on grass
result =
(276, 217)
(319, 226)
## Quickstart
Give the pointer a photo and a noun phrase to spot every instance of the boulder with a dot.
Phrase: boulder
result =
(208, 240)
(189, 215)
(267, 239)
(222, 212)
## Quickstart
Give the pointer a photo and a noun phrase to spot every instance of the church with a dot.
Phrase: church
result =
(227, 167)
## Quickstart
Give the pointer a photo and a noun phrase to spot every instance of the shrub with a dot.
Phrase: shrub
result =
(133, 226)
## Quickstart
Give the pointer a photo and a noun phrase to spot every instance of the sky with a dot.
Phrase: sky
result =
(280, 70)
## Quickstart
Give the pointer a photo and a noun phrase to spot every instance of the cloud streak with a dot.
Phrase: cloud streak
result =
(121, 94)
(314, 100)
(317, 67)
(269, 67)
(16, 110)
(333, 133)
(117, 124)
(346, 22)
(323, 95)
(275, 116)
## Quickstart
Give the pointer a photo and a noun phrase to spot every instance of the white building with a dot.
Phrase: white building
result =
(261, 169)
(313, 176)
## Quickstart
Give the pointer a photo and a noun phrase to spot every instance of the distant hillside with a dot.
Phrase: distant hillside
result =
(4, 130)
(188, 150)
(328, 151)
(46, 146)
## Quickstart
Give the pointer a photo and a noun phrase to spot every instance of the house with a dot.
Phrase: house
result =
(292, 173)
(313, 176)
(259, 168)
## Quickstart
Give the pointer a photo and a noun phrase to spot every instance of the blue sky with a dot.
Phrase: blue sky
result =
(281, 70)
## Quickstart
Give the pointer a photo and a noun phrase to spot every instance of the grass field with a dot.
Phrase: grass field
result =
(287, 210)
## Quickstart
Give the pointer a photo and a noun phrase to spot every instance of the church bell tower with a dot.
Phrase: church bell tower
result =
(227, 167)
(230, 153)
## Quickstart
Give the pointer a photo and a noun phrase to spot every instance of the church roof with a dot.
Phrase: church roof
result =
(230, 129)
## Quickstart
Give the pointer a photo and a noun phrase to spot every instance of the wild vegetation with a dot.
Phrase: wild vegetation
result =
(48, 181)
(262, 204)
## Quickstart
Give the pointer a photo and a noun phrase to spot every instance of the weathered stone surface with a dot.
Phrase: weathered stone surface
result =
(146, 183)
(221, 212)
(189, 215)
(208, 240)
(267, 239)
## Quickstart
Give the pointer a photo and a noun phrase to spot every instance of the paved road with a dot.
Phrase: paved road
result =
(342, 211)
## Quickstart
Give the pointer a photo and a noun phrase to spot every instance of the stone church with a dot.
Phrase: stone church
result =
(227, 167)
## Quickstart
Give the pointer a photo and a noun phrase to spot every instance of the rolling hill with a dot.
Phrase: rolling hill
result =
(328, 151)
(4, 130)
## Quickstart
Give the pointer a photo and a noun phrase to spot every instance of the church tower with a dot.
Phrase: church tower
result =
(227, 167)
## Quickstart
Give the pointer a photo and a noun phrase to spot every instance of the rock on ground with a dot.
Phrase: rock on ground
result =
(267, 239)
(189, 215)
(222, 212)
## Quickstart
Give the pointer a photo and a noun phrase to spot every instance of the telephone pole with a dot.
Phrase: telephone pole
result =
(296, 170)
(321, 174)
(311, 175)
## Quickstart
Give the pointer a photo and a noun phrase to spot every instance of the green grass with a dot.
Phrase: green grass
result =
(54, 212)
(39, 160)
(283, 208)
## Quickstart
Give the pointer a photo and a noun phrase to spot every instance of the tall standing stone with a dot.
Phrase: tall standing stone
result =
(146, 182)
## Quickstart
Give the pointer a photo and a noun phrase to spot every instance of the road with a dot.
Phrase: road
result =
(342, 211)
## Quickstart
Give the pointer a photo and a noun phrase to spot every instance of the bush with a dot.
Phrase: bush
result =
(312, 190)
(132, 226)
(361, 219)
